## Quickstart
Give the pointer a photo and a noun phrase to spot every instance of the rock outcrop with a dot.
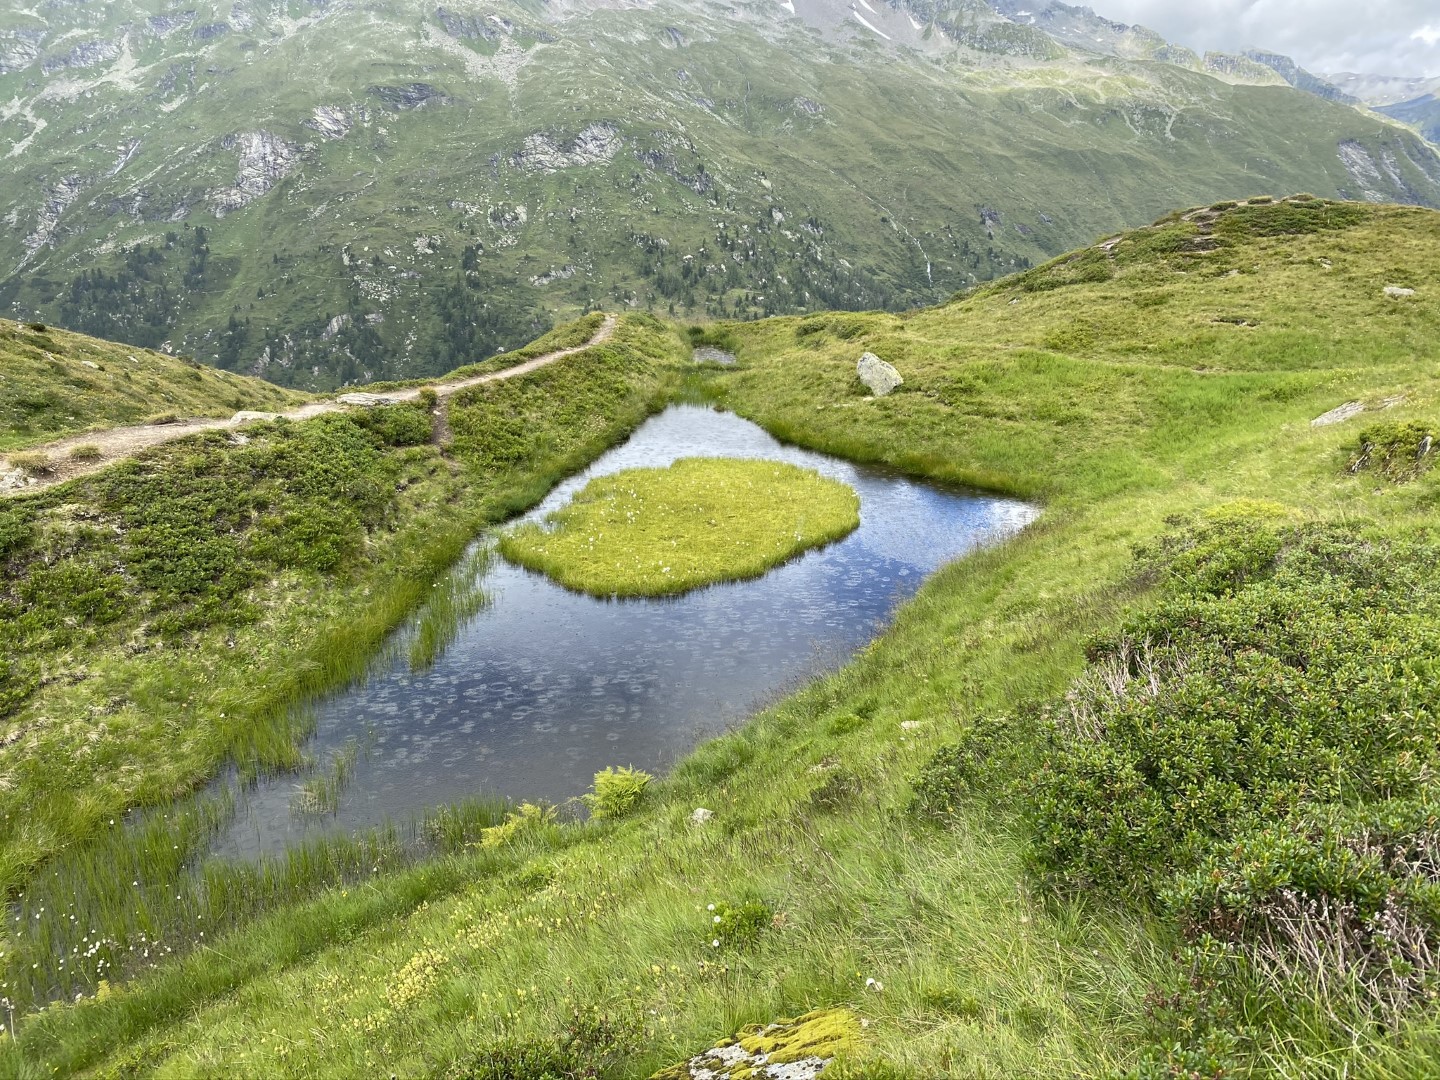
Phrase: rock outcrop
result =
(409, 96)
(330, 121)
(19, 49)
(264, 159)
(57, 200)
(594, 144)
(879, 377)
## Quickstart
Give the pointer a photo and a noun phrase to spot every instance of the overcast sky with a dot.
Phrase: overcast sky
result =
(1380, 37)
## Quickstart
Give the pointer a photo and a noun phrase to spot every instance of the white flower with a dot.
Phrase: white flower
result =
(710, 907)
(715, 944)
(717, 918)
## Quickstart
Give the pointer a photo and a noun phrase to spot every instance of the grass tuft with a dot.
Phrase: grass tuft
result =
(660, 532)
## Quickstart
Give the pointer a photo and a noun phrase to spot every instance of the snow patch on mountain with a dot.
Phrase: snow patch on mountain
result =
(861, 19)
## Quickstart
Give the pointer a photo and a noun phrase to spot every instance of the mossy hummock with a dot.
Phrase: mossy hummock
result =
(658, 532)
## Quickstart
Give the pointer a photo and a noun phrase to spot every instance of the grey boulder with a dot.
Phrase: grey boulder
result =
(878, 376)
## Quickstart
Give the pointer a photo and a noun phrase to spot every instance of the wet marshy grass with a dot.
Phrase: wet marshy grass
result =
(146, 890)
(662, 532)
(453, 600)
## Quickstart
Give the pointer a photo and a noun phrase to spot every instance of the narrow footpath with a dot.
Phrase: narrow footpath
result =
(116, 444)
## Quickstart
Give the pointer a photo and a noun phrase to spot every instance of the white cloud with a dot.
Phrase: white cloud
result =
(1386, 37)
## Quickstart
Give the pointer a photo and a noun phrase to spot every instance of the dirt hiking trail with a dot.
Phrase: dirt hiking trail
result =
(116, 444)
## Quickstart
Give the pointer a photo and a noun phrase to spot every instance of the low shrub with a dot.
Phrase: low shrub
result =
(617, 792)
(1290, 218)
(737, 926)
(397, 425)
(1398, 450)
(1088, 265)
(1254, 756)
(512, 1058)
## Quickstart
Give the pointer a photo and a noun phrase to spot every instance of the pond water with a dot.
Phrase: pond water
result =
(543, 687)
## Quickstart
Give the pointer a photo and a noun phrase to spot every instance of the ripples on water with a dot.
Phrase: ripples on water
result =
(543, 687)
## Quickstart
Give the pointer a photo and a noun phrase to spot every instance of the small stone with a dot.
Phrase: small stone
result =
(1396, 292)
(13, 479)
(366, 400)
(701, 816)
(878, 376)
(911, 725)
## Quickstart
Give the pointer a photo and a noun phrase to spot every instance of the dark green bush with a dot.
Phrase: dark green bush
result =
(1089, 265)
(398, 425)
(1289, 218)
(1253, 756)
(1258, 688)
(179, 535)
(974, 768)
(520, 1059)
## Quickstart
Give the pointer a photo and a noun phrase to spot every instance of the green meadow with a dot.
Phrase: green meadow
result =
(1147, 789)
(660, 532)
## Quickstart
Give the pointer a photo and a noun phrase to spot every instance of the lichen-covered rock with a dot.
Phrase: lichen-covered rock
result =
(1396, 292)
(13, 479)
(798, 1049)
(701, 815)
(878, 376)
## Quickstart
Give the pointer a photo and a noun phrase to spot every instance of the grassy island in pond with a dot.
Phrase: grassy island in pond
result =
(657, 532)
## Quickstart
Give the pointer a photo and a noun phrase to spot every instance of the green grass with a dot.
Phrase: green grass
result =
(1131, 406)
(661, 532)
(453, 600)
(54, 383)
(166, 615)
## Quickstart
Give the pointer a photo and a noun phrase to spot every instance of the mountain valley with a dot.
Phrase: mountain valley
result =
(326, 193)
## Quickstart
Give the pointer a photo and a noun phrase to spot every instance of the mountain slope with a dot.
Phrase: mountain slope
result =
(55, 383)
(1423, 112)
(333, 193)
(1168, 376)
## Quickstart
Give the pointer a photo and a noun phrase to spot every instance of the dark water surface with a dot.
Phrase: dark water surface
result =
(544, 687)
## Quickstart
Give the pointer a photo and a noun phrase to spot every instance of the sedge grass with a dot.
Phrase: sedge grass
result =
(660, 532)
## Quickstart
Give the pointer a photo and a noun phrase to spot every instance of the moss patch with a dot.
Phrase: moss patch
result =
(810, 1040)
(657, 532)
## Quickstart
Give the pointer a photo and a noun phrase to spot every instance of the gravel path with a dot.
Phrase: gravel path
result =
(123, 442)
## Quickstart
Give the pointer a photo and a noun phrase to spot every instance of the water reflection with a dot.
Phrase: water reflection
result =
(544, 686)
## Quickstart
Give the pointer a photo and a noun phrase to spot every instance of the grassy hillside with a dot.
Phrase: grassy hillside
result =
(54, 383)
(870, 849)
